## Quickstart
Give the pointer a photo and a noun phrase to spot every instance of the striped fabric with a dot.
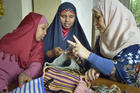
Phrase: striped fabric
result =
(60, 80)
(34, 86)
(83, 86)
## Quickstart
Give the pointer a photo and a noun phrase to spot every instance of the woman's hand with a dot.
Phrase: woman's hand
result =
(57, 51)
(23, 78)
(54, 52)
(79, 49)
(92, 74)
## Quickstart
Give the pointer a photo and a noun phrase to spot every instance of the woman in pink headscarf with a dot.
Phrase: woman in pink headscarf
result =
(118, 46)
(21, 52)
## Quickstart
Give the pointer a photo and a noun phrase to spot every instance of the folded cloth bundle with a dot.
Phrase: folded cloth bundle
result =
(83, 86)
(34, 86)
(60, 81)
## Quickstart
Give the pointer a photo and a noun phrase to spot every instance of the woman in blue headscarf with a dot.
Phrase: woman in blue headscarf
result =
(63, 27)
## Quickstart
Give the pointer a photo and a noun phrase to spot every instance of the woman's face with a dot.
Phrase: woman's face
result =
(99, 21)
(67, 19)
(41, 32)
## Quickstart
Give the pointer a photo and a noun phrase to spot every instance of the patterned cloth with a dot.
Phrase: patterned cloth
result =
(60, 81)
(34, 86)
(126, 62)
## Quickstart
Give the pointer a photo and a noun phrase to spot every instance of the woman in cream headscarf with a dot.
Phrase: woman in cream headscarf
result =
(119, 42)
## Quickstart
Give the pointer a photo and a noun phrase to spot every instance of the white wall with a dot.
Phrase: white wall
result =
(47, 7)
(11, 17)
(84, 12)
(26, 7)
(14, 12)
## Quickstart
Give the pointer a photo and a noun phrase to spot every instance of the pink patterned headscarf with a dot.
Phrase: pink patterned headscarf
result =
(43, 20)
(121, 29)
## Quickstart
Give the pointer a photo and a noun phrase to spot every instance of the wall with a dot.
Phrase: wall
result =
(126, 2)
(84, 12)
(26, 7)
(11, 17)
(46, 7)
(14, 12)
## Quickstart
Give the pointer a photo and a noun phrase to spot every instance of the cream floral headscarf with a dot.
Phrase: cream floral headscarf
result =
(121, 30)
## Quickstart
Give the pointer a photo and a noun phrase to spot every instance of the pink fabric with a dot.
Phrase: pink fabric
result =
(82, 87)
(9, 70)
(34, 70)
(43, 20)
(20, 52)
(65, 32)
(22, 43)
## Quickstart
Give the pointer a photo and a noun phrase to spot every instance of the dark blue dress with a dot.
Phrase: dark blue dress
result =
(54, 36)
(126, 62)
